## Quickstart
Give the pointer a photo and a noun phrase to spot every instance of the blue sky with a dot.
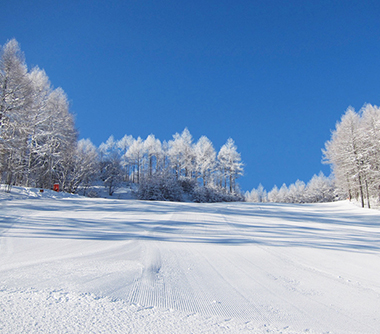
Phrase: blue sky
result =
(273, 75)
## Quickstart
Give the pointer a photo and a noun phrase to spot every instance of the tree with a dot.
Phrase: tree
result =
(273, 195)
(135, 155)
(162, 186)
(83, 167)
(296, 192)
(205, 159)
(229, 164)
(110, 164)
(258, 195)
(59, 139)
(153, 149)
(38, 119)
(181, 154)
(370, 136)
(15, 102)
(283, 194)
(123, 145)
(345, 151)
(320, 189)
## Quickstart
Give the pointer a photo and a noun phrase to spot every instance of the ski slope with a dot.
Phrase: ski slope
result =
(70, 264)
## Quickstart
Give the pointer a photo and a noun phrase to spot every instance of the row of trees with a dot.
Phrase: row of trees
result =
(190, 164)
(39, 146)
(319, 189)
(354, 153)
(37, 131)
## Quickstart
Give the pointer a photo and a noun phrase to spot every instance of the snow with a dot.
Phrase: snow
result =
(71, 264)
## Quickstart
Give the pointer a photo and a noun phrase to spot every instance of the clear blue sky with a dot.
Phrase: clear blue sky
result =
(273, 75)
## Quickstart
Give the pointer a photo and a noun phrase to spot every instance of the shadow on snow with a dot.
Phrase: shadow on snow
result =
(331, 225)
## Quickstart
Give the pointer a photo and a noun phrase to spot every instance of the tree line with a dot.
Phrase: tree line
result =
(353, 152)
(169, 170)
(39, 147)
(318, 190)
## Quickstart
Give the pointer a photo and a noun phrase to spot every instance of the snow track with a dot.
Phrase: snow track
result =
(90, 265)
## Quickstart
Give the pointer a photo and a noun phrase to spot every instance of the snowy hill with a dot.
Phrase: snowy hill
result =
(73, 264)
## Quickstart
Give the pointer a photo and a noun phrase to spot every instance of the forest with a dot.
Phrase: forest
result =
(39, 147)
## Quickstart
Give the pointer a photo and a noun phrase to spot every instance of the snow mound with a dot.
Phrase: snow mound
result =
(31, 193)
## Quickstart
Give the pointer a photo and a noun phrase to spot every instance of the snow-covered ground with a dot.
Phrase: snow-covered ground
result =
(70, 264)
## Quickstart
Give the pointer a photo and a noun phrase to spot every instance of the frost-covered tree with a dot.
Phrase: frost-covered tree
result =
(175, 154)
(123, 146)
(59, 138)
(188, 155)
(83, 169)
(273, 195)
(110, 164)
(164, 159)
(163, 186)
(345, 151)
(320, 189)
(354, 153)
(135, 155)
(205, 159)
(370, 136)
(283, 194)
(229, 164)
(258, 195)
(181, 154)
(38, 120)
(15, 104)
(296, 192)
(153, 151)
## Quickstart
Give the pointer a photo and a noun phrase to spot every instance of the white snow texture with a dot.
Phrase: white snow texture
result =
(70, 264)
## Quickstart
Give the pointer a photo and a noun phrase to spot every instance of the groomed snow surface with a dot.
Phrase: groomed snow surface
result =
(70, 264)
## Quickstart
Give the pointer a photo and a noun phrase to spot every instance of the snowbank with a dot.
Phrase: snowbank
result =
(30, 193)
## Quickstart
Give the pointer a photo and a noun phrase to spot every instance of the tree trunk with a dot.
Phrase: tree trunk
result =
(366, 187)
(151, 165)
(361, 190)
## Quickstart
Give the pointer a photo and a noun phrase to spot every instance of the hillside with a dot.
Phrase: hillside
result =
(73, 264)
